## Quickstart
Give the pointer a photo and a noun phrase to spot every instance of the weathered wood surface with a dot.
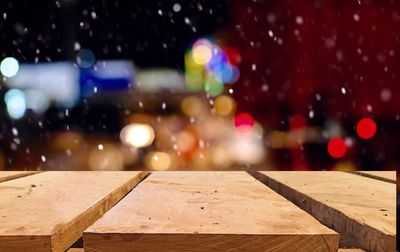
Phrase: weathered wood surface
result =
(359, 208)
(49, 211)
(8, 175)
(388, 176)
(206, 211)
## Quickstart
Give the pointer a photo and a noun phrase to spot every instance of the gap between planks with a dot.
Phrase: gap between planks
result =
(387, 176)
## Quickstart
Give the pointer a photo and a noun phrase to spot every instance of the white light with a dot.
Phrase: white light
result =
(9, 67)
(36, 100)
(15, 102)
(177, 7)
(137, 135)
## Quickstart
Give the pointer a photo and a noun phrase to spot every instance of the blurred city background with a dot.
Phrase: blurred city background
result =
(200, 85)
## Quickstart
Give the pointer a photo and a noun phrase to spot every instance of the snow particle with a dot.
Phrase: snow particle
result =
(187, 20)
(311, 114)
(94, 15)
(386, 95)
(14, 131)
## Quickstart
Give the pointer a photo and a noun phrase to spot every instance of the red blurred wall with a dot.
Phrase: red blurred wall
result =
(339, 43)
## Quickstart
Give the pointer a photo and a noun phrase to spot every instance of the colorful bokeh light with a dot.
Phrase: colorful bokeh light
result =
(244, 122)
(208, 67)
(337, 147)
(366, 128)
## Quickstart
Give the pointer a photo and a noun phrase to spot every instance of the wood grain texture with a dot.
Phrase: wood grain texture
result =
(50, 210)
(359, 208)
(206, 211)
(8, 175)
(388, 176)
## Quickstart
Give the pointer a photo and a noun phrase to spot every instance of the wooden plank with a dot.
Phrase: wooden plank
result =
(388, 176)
(8, 175)
(50, 210)
(359, 208)
(206, 211)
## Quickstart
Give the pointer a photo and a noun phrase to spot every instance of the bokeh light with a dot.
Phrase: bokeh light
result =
(186, 141)
(16, 103)
(191, 106)
(202, 51)
(109, 158)
(212, 86)
(137, 135)
(208, 67)
(366, 128)
(233, 55)
(9, 67)
(158, 161)
(244, 122)
(36, 100)
(85, 58)
(337, 147)
(224, 105)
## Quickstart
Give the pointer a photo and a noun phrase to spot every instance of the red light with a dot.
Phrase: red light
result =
(366, 128)
(233, 55)
(297, 122)
(337, 147)
(244, 121)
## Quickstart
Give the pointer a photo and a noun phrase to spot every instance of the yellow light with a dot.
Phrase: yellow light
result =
(201, 54)
(137, 135)
(159, 161)
(107, 159)
(224, 105)
(202, 159)
(221, 156)
(344, 166)
(191, 106)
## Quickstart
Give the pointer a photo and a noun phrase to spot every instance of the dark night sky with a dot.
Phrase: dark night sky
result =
(148, 32)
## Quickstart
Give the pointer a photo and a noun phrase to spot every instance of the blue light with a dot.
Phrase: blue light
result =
(85, 58)
(15, 102)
